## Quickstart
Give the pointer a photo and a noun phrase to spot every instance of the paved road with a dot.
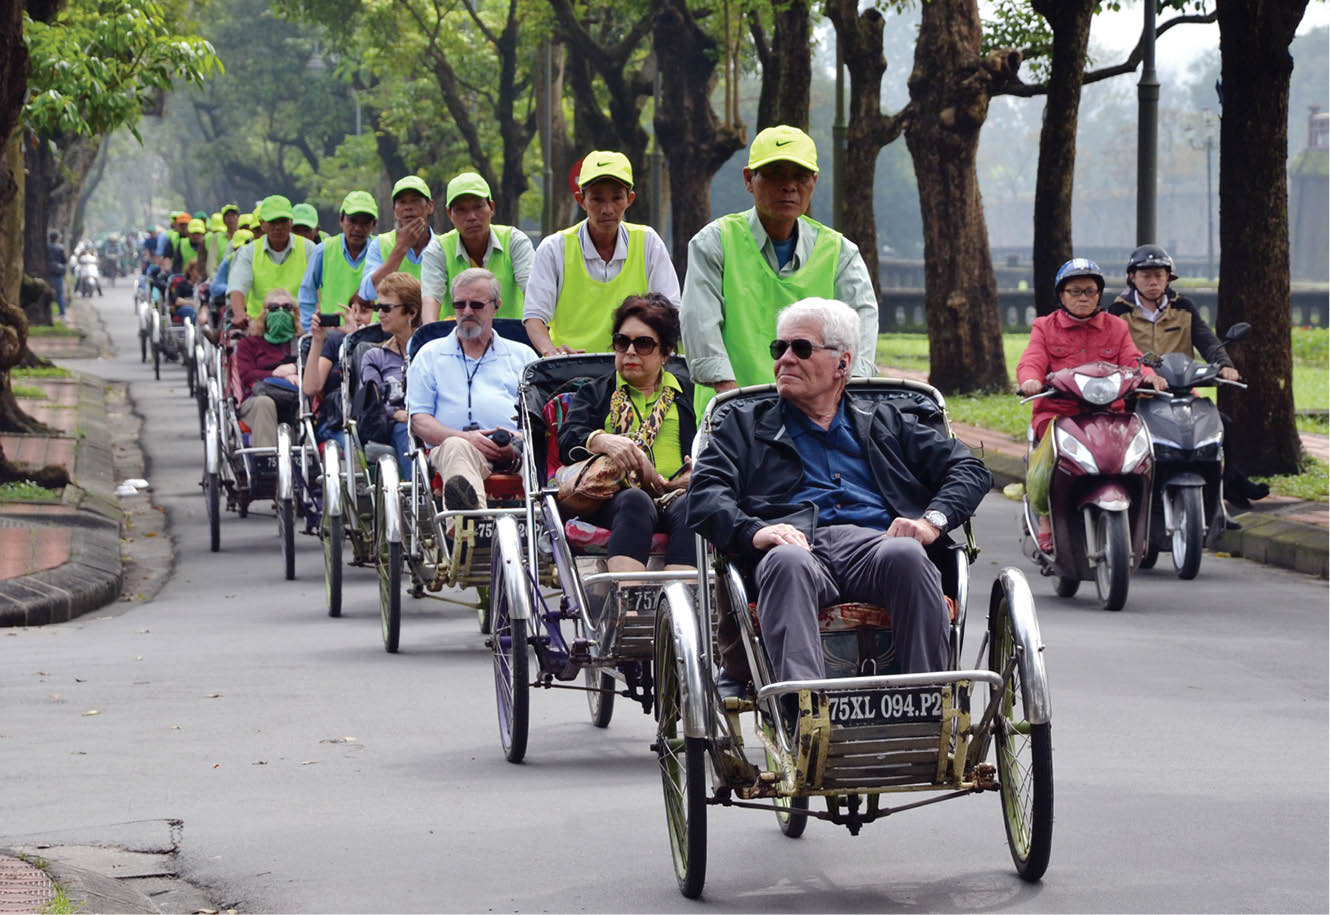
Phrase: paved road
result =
(1189, 736)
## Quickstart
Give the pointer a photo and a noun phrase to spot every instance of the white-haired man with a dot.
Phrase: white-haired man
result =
(831, 498)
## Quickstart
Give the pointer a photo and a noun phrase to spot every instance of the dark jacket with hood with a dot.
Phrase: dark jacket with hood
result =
(1178, 328)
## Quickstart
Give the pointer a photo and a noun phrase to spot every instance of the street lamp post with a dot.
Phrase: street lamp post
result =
(1147, 132)
(838, 144)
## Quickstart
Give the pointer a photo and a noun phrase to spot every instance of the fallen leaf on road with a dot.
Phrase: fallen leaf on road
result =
(138, 657)
(214, 695)
(90, 712)
(205, 912)
(78, 753)
(338, 740)
(309, 762)
(216, 765)
(259, 762)
(175, 727)
(144, 631)
(150, 534)
(77, 680)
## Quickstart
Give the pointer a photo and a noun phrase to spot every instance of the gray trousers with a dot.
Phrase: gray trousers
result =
(850, 563)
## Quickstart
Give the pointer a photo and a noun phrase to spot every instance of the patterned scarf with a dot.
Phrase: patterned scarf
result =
(622, 414)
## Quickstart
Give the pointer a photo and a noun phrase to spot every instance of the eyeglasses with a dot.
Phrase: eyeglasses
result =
(1087, 293)
(643, 346)
(281, 306)
(802, 348)
(472, 304)
(386, 308)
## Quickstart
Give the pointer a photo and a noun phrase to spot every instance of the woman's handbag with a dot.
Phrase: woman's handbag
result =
(585, 485)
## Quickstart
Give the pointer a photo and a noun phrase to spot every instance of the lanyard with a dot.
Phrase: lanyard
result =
(471, 375)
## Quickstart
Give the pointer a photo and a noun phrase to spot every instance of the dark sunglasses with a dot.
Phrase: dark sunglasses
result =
(280, 306)
(643, 346)
(473, 304)
(802, 348)
(386, 309)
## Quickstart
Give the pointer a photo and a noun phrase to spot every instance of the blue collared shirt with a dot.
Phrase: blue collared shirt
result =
(836, 477)
(456, 390)
(374, 261)
(313, 281)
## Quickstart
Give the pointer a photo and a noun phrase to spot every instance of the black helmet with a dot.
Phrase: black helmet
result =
(1078, 266)
(1150, 256)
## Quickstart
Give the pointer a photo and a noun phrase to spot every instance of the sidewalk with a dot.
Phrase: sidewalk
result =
(1277, 530)
(61, 558)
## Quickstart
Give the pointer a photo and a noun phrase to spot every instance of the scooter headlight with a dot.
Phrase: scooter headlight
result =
(1068, 445)
(1136, 452)
(1099, 391)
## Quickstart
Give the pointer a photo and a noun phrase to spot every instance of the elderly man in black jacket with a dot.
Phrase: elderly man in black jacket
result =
(833, 499)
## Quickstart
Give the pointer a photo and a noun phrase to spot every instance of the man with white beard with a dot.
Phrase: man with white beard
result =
(461, 392)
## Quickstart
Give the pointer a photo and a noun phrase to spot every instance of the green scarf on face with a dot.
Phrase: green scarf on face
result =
(279, 327)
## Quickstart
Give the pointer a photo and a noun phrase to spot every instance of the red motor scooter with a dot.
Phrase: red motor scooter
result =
(1099, 493)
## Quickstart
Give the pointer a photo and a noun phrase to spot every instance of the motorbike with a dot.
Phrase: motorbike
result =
(1099, 490)
(87, 278)
(1187, 437)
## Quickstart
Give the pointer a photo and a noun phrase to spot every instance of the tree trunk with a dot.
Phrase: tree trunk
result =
(869, 129)
(787, 65)
(1255, 68)
(40, 165)
(560, 146)
(950, 87)
(86, 189)
(1070, 21)
(696, 144)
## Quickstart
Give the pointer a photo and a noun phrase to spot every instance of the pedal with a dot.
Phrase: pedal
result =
(737, 704)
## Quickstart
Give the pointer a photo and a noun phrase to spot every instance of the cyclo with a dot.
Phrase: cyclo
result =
(540, 598)
(410, 530)
(862, 735)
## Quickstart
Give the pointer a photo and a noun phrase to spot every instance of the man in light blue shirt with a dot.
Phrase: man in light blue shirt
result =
(461, 393)
(340, 281)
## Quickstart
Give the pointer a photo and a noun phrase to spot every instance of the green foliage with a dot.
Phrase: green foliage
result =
(27, 491)
(30, 391)
(1313, 484)
(1310, 345)
(46, 371)
(101, 63)
(53, 330)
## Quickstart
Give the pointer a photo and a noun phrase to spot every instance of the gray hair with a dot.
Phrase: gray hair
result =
(839, 322)
(473, 275)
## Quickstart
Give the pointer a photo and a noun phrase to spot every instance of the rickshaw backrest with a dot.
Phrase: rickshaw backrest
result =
(508, 328)
(353, 350)
(560, 377)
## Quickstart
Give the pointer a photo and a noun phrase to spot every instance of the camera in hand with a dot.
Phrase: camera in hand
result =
(330, 320)
(501, 437)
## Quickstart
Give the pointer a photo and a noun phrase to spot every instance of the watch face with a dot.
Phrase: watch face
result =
(936, 518)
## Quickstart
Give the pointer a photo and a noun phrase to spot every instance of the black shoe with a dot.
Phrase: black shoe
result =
(1256, 490)
(1231, 525)
(459, 495)
(1237, 497)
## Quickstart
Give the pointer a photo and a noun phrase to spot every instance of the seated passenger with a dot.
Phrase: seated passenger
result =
(264, 359)
(1078, 332)
(607, 416)
(399, 314)
(832, 499)
(323, 372)
(461, 393)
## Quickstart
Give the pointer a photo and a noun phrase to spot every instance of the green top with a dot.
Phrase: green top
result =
(340, 279)
(267, 275)
(585, 308)
(500, 264)
(388, 241)
(667, 451)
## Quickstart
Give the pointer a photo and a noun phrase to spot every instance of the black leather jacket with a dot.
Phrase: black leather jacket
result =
(748, 474)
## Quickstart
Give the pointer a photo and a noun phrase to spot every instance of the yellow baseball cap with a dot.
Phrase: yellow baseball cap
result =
(274, 207)
(412, 183)
(245, 221)
(215, 223)
(196, 226)
(467, 183)
(783, 143)
(359, 202)
(242, 236)
(230, 208)
(603, 164)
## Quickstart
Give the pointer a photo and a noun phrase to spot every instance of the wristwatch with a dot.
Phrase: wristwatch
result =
(937, 519)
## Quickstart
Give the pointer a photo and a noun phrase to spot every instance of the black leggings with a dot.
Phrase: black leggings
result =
(632, 517)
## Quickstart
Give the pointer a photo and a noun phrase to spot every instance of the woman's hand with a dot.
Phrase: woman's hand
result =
(624, 452)
(1157, 382)
(285, 370)
(1032, 386)
(1228, 373)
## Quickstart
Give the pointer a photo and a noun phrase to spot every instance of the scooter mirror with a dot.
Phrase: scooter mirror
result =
(1237, 332)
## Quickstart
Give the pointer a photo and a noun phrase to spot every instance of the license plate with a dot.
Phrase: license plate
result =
(485, 530)
(861, 708)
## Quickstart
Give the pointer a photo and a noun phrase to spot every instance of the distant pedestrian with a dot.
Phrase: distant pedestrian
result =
(57, 262)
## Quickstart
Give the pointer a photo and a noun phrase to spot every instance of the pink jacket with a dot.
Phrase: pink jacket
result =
(1059, 341)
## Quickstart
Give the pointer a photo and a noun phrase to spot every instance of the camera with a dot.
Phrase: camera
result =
(501, 437)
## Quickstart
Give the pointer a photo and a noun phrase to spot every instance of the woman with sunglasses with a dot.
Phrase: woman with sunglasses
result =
(264, 358)
(385, 364)
(607, 416)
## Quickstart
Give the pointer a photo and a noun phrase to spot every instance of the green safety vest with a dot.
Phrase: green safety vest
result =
(340, 279)
(500, 264)
(217, 244)
(187, 253)
(754, 294)
(584, 311)
(267, 275)
(388, 241)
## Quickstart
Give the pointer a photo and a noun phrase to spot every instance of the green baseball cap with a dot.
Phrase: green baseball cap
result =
(412, 183)
(242, 236)
(603, 164)
(783, 143)
(199, 214)
(275, 207)
(215, 223)
(359, 202)
(245, 221)
(230, 208)
(304, 214)
(467, 183)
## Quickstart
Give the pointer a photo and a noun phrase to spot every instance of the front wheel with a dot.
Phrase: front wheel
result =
(1188, 515)
(1067, 587)
(388, 562)
(512, 679)
(333, 536)
(682, 763)
(156, 360)
(1113, 571)
(213, 495)
(1024, 749)
(600, 695)
(791, 812)
(143, 345)
(286, 530)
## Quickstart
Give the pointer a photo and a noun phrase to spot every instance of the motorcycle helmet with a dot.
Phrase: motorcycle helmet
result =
(1150, 256)
(1078, 266)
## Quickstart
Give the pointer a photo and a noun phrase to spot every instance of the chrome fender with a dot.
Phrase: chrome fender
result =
(144, 321)
(332, 487)
(285, 489)
(189, 336)
(211, 445)
(509, 543)
(392, 497)
(687, 654)
(1109, 496)
(156, 328)
(1012, 586)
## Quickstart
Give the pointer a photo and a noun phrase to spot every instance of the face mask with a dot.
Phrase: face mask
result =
(279, 327)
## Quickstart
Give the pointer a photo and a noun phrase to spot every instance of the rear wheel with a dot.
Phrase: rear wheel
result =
(791, 812)
(388, 562)
(512, 679)
(1113, 572)
(143, 346)
(1188, 513)
(286, 530)
(333, 535)
(600, 695)
(213, 494)
(189, 376)
(1150, 558)
(1024, 758)
(1067, 587)
(682, 763)
(156, 360)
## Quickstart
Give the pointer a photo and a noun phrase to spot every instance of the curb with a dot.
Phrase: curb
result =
(1263, 538)
(88, 891)
(94, 573)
